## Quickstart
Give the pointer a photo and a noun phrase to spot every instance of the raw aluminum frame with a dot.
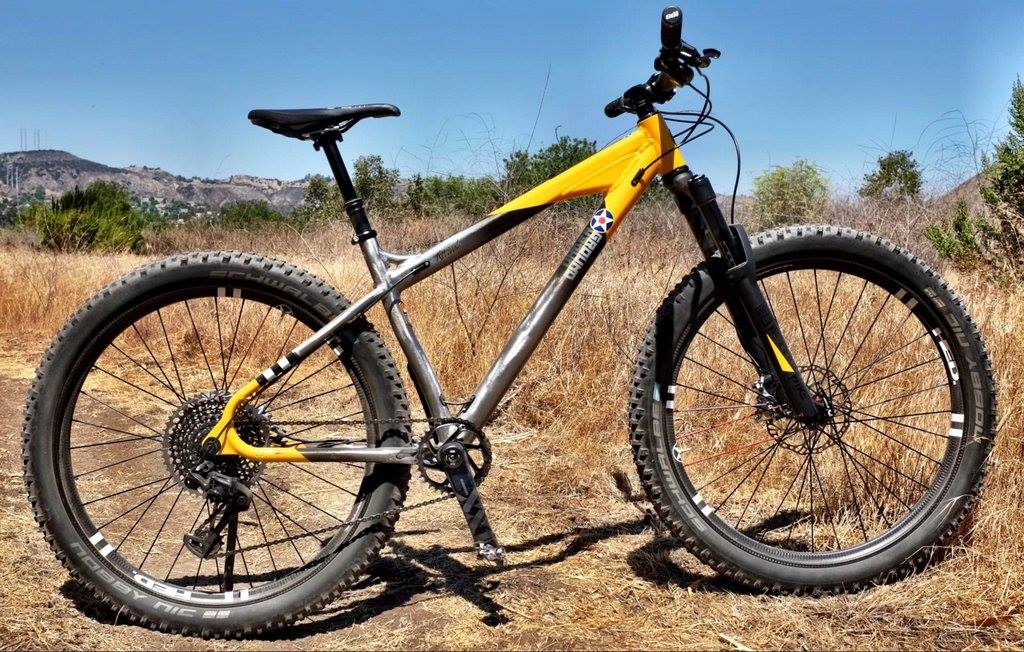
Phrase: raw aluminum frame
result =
(622, 171)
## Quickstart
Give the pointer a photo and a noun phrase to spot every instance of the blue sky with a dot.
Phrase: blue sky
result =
(169, 84)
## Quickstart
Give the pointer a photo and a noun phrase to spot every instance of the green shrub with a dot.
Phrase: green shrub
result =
(896, 177)
(790, 194)
(320, 203)
(100, 218)
(959, 238)
(247, 214)
(438, 196)
(524, 170)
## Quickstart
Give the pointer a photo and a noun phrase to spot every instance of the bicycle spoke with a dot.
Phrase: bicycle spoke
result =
(849, 320)
(853, 494)
(231, 348)
(872, 417)
(902, 443)
(181, 548)
(138, 364)
(864, 339)
(252, 343)
(145, 344)
(133, 508)
(903, 396)
(124, 414)
(220, 336)
(199, 341)
(717, 373)
(876, 360)
(895, 373)
(170, 353)
(266, 498)
(799, 321)
(160, 530)
(143, 514)
(302, 500)
(744, 358)
(753, 493)
(316, 396)
(112, 464)
(131, 384)
(125, 491)
(322, 479)
(871, 457)
(263, 531)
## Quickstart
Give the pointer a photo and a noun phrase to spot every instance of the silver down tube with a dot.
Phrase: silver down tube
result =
(534, 325)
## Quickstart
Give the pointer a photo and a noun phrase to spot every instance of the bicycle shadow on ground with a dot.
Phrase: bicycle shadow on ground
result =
(408, 576)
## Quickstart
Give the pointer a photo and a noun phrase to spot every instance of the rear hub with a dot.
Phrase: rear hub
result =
(188, 427)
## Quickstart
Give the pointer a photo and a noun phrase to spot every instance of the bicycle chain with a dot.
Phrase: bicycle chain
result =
(446, 494)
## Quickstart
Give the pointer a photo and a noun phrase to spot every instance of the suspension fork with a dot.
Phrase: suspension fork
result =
(756, 326)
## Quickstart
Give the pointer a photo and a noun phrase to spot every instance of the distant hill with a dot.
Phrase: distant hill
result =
(56, 171)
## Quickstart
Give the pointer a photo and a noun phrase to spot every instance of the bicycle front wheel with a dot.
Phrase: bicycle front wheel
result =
(122, 401)
(865, 496)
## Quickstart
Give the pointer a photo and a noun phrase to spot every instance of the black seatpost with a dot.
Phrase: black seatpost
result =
(353, 203)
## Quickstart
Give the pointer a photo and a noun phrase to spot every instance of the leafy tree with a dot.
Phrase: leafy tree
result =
(8, 211)
(320, 203)
(101, 217)
(524, 170)
(896, 177)
(376, 184)
(247, 214)
(789, 194)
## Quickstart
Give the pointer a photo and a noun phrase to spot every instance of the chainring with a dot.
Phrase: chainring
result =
(478, 454)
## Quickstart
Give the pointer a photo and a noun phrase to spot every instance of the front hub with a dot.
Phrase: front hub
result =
(835, 406)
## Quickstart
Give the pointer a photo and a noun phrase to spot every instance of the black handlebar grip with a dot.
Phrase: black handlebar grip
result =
(671, 27)
(615, 108)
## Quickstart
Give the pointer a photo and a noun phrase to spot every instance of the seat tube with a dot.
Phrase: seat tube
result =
(423, 374)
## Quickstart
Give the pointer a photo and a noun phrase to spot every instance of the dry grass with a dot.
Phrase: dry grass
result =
(588, 568)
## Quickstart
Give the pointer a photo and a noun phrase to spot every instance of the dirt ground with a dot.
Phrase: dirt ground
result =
(598, 578)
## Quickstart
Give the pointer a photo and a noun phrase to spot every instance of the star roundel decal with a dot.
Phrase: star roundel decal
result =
(602, 220)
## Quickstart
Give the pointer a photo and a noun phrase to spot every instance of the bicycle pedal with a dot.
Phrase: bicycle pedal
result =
(490, 552)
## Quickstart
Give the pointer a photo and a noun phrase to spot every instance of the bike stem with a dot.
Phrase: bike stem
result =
(756, 326)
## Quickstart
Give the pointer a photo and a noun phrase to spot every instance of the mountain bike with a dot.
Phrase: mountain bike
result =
(220, 443)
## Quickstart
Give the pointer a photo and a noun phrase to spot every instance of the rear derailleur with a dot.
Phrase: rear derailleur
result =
(230, 497)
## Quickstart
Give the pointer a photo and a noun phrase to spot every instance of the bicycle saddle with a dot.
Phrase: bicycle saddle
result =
(302, 123)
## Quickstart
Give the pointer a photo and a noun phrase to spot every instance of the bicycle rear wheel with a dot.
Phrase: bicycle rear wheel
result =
(127, 392)
(865, 496)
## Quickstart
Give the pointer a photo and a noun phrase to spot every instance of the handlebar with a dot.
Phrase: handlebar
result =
(671, 27)
(675, 64)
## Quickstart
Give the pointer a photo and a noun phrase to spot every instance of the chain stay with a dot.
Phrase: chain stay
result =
(445, 494)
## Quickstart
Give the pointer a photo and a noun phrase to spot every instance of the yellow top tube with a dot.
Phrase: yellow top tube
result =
(611, 171)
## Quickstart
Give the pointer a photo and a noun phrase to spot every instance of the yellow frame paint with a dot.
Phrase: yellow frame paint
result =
(650, 147)
(648, 151)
